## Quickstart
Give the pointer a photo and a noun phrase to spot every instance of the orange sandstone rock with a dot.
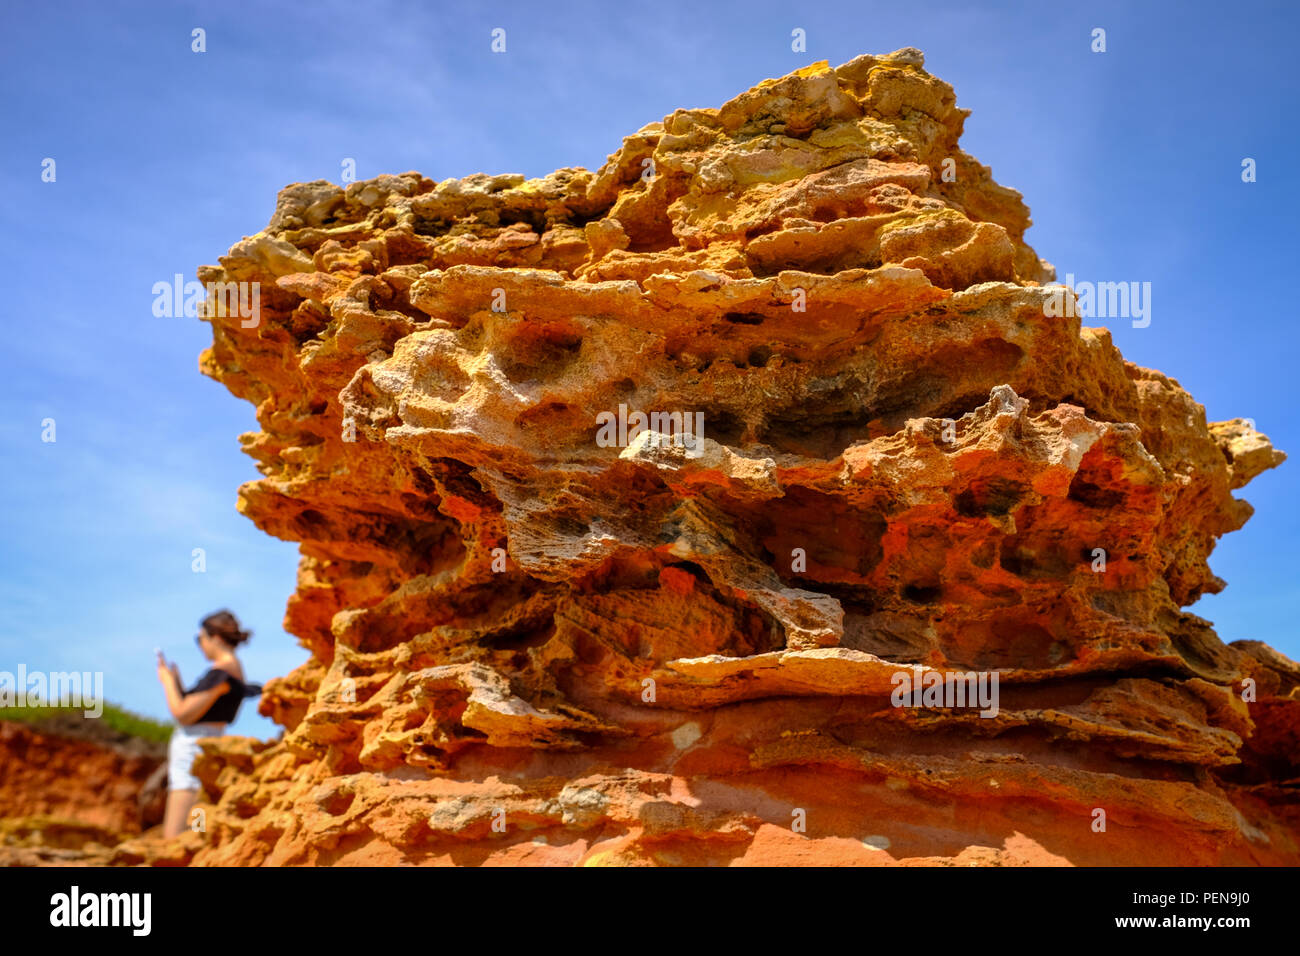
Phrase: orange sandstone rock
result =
(533, 646)
(71, 788)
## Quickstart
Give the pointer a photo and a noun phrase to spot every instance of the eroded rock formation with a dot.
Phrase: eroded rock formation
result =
(72, 788)
(529, 646)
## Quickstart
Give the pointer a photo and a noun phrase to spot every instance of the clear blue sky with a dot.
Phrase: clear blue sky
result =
(1130, 161)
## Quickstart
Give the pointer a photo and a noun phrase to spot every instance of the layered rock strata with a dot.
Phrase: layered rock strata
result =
(71, 789)
(540, 638)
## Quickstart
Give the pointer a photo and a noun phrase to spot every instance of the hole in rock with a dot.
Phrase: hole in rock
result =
(903, 638)
(1009, 642)
(744, 318)
(338, 803)
(1094, 496)
(798, 519)
(1037, 560)
(723, 427)
(921, 593)
(996, 496)
(822, 431)
(956, 380)
(539, 351)
(521, 637)
(310, 524)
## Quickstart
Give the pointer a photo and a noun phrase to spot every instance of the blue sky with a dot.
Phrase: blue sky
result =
(1130, 160)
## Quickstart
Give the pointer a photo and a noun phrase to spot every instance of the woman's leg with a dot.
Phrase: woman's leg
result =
(179, 804)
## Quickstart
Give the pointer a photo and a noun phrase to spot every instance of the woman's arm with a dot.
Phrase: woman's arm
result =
(186, 708)
(191, 707)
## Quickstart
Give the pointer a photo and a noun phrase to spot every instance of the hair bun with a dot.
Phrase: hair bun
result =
(225, 625)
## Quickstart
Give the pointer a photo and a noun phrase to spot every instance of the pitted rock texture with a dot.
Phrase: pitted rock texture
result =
(528, 646)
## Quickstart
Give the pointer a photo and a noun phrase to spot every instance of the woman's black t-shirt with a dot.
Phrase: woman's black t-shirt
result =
(225, 707)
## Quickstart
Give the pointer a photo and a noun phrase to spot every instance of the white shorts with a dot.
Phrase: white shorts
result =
(181, 751)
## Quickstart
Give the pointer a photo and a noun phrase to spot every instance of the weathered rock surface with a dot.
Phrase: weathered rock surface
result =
(71, 789)
(529, 647)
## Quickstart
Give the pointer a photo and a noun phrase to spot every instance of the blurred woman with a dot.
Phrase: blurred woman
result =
(202, 711)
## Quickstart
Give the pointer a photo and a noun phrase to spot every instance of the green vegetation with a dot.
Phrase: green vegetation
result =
(114, 717)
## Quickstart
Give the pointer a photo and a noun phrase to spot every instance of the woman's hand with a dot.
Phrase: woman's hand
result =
(170, 678)
(185, 708)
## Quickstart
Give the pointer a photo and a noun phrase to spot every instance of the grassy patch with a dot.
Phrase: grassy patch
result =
(114, 717)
